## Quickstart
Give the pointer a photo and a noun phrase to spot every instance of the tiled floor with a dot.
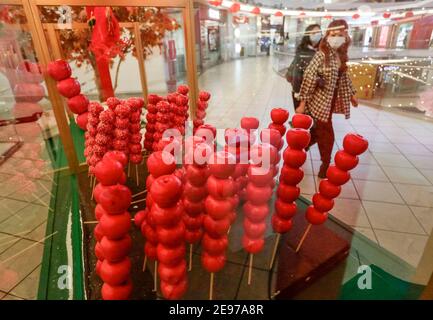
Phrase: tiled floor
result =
(390, 196)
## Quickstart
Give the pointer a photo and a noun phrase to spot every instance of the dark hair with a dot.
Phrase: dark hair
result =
(342, 51)
(306, 41)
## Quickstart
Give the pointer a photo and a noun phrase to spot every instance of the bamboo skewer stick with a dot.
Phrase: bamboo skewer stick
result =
(211, 286)
(144, 263)
(190, 257)
(93, 187)
(303, 237)
(274, 251)
(250, 268)
(129, 169)
(45, 188)
(155, 276)
(42, 201)
(136, 174)
(137, 194)
(137, 201)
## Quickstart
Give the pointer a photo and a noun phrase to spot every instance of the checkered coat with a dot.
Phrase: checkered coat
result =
(319, 100)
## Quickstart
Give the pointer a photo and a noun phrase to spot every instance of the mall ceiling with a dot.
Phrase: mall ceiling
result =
(342, 4)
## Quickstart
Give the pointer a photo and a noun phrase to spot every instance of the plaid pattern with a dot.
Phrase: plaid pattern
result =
(319, 100)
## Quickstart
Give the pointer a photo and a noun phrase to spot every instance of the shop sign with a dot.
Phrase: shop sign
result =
(214, 14)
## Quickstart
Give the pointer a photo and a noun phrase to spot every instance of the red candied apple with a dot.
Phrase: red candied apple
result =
(115, 226)
(170, 256)
(81, 121)
(252, 245)
(218, 209)
(193, 223)
(200, 114)
(202, 105)
(116, 250)
(213, 263)
(281, 225)
(140, 217)
(115, 273)
(174, 291)
(150, 250)
(214, 246)
(345, 161)
(78, 104)
(97, 232)
(172, 275)
(118, 156)
(204, 130)
(193, 236)
(99, 252)
(322, 203)
(183, 89)
(315, 217)
(302, 121)
(193, 193)
(166, 190)
(256, 213)
(254, 230)
(167, 216)
(249, 123)
(193, 208)
(288, 193)
(291, 176)
(222, 164)
(59, 70)
(108, 172)
(271, 136)
(337, 176)
(355, 144)
(204, 96)
(151, 118)
(298, 138)
(69, 87)
(149, 233)
(216, 228)
(115, 199)
(279, 115)
(198, 122)
(285, 210)
(161, 163)
(171, 237)
(196, 176)
(259, 176)
(99, 212)
(328, 189)
(121, 292)
(258, 195)
(281, 128)
(294, 158)
(220, 188)
(263, 154)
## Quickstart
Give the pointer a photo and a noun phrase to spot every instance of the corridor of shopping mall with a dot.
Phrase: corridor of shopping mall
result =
(72, 92)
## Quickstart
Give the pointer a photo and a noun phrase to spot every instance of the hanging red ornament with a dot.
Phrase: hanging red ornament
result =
(356, 16)
(329, 17)
(409, 14)
(302, 14)
(386, 15)
(256, 10)
(235, 7)
(215, 3)
(278, 14)
(374, 22)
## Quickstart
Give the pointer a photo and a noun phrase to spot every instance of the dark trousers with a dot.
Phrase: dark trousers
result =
(322, 133)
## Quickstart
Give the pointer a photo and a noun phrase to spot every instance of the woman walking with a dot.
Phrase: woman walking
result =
(304, 53)
(327, 89)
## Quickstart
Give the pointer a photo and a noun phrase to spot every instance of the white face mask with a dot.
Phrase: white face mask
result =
(336, 42)
(315, 38)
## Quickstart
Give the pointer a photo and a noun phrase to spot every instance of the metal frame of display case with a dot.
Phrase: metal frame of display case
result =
(44, 52)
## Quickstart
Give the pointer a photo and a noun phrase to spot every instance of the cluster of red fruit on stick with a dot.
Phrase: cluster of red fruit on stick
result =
(167, 213)
(165, 113)
(159, 163)
(70, 88)
(113, 241)
(194, 193)
(336, 176)
(200, 114)
(258, 194)
(135, 147)
(219, 213)
(92, 151)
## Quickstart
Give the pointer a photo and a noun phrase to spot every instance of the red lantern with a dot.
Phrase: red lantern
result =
(256, 10)
(235, 7)
(328, 17)
(302, 14)
(386, 15)
(215, 3)
(374, 22)
(278, 14)
(409, 14)
(356, 16)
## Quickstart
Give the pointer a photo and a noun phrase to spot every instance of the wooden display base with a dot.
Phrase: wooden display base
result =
(321, 251)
